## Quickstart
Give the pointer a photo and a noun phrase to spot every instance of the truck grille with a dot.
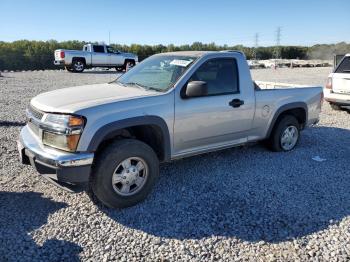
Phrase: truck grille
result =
(35, 112)
(34, 116)
(34, 128)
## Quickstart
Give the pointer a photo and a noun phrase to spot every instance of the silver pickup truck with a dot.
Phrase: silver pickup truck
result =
(94, 56)
(170, 106)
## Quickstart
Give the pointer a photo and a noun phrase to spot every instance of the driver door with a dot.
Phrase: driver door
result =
(211, 121)
(99, 57)
(115, 58)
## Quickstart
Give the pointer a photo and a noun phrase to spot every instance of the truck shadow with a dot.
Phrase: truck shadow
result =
(32, 211)
(11, 123)
(250, 193)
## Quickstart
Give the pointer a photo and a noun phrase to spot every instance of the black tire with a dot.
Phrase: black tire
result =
(120, 69)
(69, 69)
(112, 157)
(335, 107)
(274, 142)
(78, 65)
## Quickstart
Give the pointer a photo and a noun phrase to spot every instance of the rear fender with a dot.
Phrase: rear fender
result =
(283, 109)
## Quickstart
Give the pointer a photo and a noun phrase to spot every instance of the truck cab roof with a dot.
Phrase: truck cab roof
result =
(199, 53)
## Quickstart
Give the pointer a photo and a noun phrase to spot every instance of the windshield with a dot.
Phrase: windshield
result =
(159, 72)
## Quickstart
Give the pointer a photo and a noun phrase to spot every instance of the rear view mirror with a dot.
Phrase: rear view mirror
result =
(196, 89)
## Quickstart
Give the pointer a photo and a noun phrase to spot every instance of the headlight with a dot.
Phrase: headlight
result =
(62, 131)
(65, 121)
(63, 142)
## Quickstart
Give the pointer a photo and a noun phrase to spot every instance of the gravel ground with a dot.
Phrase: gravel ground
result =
(238, 204)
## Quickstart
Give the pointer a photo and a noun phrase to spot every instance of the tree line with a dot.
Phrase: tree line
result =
(38, 55)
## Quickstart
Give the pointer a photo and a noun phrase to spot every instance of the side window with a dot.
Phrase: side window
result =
(220, 74)
(99, 48)
(110, 50)
(344, 66)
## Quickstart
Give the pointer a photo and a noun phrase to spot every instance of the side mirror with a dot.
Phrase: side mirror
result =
(196, 89)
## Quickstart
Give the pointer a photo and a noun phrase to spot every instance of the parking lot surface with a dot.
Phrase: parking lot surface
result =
(246, 204)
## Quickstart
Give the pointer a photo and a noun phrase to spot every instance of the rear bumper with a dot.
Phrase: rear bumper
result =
(60, 166)
(58, 62)
(336, 98)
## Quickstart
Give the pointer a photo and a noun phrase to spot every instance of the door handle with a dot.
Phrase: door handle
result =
(236, 103)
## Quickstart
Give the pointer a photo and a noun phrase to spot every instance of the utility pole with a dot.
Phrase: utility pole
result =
(109, 37)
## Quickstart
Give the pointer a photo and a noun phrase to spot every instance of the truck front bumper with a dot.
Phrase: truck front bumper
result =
(336, 98)
(55, 165)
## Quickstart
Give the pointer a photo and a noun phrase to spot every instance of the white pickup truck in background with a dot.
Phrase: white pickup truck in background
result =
(337, 90)
(94, 56)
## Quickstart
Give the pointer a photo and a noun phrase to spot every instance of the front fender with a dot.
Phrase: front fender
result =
(113, 127)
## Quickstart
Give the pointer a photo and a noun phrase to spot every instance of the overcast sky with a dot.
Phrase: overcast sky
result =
(179, 22)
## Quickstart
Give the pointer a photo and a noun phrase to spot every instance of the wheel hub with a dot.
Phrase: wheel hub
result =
(130, 176)
(78, 65)
(289, 138)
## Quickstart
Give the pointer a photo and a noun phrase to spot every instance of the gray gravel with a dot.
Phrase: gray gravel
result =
(239, 204)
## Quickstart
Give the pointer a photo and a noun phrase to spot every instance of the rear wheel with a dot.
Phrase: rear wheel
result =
(69, 69)
(285, 135)
(78, 66)
(125, 173)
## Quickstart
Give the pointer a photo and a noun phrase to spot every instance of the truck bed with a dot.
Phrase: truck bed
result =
(277, 85)
(270, 96)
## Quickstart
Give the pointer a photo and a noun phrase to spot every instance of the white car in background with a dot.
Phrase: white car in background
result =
(337, 90)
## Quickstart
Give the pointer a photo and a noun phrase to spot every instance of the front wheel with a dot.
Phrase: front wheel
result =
(125, 173)
(285, 135)
(129, 64)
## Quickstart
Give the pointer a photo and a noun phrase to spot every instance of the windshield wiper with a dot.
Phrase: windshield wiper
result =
(136, 84)
(142, 86)
(153, 88)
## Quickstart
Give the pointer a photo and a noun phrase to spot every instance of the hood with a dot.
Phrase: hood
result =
(72, 99)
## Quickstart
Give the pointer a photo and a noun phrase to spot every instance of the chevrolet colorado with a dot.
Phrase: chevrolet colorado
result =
(170, 106)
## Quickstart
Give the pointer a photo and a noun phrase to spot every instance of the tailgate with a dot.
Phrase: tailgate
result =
(341, 77)
(341, 83)
(58, 54)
